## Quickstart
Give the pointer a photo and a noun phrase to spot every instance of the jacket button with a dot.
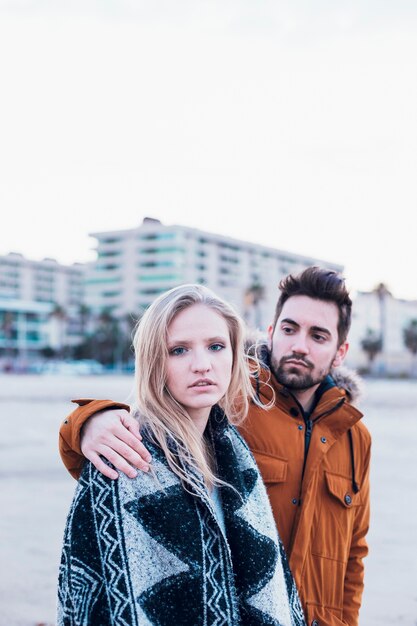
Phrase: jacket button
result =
(294, 412)
(300, 427)
(323, 440)
(348, 499)
(294, 501)
(315, 623)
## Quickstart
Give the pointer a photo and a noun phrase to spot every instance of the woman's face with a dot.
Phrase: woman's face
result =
(199, 365)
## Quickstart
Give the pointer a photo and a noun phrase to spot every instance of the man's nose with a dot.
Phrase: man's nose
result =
(300, 344)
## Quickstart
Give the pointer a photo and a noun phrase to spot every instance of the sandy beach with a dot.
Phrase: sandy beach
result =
(36, 493)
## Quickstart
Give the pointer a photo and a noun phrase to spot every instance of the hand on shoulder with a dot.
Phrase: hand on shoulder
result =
(114, 434)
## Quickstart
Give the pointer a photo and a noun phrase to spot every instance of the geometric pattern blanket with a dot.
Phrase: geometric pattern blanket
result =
(142, 552)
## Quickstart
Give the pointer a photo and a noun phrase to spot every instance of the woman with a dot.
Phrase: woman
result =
(194, 541)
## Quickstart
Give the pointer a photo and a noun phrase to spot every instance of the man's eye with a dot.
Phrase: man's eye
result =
(319, 338)
(177, 351)
(287, 330)
(216, 347)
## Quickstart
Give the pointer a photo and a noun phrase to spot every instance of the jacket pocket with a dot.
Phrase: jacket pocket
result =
(273, 469)
(333, 528)
(340, 488)
(323, 616)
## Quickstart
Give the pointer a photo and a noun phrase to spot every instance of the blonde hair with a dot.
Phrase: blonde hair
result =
(164, 419)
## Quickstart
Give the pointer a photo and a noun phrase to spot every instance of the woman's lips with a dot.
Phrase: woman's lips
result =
(202, 383)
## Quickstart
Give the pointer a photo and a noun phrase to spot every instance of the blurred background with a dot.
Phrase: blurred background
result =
(150, 143)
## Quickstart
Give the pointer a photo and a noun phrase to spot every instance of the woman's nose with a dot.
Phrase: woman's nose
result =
(201, 361)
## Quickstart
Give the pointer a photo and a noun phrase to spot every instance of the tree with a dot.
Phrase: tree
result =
(410, 341)
(254, 294)
(371, 344)
(382, 292)
(8, 331)
(128, 325)
(84, 314)
(59, 318)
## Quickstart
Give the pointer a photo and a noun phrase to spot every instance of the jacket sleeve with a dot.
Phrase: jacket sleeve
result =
(359, 549)
(69, 433)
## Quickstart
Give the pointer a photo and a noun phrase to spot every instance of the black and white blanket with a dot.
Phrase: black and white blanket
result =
(143, 552)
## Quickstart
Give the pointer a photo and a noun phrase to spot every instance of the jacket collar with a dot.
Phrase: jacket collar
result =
(331, 403)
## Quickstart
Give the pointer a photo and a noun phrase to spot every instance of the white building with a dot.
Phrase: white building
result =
(39, 305)
(386, 316)
(134, 266)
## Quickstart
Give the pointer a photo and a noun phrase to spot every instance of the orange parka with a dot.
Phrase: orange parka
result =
(320, 499)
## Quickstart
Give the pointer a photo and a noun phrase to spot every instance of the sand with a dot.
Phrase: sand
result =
(36, 492)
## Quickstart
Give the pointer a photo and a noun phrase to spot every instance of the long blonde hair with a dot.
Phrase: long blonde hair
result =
(164, 419)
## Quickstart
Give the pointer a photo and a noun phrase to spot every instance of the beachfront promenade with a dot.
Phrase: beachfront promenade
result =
(36, 492)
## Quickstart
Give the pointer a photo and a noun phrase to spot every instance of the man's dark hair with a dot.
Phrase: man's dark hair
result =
(320, 284)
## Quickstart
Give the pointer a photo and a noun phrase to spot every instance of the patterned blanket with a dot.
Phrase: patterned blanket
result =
(146, 552)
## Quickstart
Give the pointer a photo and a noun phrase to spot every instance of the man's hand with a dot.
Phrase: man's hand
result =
(115, 435)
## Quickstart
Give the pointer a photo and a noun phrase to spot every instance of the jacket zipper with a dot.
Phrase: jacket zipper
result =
(307, 439)
(309, 429)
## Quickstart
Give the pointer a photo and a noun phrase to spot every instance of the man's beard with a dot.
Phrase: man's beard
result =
(297, 378)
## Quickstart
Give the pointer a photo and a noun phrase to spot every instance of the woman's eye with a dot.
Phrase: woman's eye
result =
(216, 347)
(177, 351)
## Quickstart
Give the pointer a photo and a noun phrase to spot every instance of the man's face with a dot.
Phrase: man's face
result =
(304, 343)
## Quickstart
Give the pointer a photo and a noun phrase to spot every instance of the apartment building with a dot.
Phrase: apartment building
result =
(134, 266)
(378, 312)
(39, 305)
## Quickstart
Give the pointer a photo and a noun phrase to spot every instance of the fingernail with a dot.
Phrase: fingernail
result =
(146, 468)
(149, 458)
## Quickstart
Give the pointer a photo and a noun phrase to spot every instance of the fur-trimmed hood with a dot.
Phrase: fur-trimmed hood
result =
(256, 345)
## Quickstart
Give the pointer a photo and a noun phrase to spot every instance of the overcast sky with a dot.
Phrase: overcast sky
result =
(291, 124)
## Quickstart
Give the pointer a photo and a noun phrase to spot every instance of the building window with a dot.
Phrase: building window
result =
(110, 294)
(155, 236)
(157, 264)
(110, 240)
(160, 250)
(153, 277)
(151, 292)
(97, 281)
(106, 253)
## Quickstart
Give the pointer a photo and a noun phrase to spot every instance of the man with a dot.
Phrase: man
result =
(311, 448)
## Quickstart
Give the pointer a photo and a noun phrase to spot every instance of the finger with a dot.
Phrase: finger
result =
(130, 455)
(130, 440)
(103, 467)
(120, 462)
(131, 424)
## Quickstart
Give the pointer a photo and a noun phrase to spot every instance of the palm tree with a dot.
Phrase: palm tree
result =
(382, 292)
(372, 345)
(128, 324)
(7, 327)
(106, 338)
(58, 314)
(83, 348)
(410, 342)
(254, 294)
(84, 313)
